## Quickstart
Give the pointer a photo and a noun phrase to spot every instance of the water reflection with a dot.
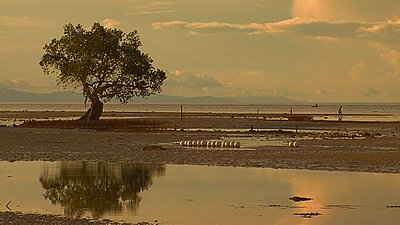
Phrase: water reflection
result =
(96, 188)
(197, 195)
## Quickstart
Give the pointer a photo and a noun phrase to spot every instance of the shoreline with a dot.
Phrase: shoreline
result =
(33, 114)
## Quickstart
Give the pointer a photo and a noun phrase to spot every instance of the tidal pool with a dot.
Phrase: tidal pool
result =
(198, 195)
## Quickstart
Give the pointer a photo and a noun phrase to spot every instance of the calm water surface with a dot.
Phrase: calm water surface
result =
(198, 195)
(391, 108)
(367, 112)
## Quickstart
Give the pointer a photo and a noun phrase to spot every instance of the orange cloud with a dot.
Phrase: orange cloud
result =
(175, 23)
(316, 29)
(109, 23)
(390, 56)
(356, 10)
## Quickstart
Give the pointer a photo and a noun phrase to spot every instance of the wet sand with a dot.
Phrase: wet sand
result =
(324, 145)
(42, 219)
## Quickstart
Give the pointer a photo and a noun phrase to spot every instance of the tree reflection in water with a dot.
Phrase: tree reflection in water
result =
(97, 187)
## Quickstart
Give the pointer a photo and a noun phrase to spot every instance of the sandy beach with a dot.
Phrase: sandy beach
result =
(324, 145)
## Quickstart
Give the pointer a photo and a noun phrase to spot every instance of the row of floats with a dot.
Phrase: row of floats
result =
(224, 144)
(215, 144)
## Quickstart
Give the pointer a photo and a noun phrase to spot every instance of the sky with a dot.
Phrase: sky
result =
(307, 50)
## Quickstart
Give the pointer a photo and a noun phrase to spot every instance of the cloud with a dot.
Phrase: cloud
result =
(319, 92)
(380, 26)
(390, 55)
(250, 83)
(258, 83)
(109, 23)
(385, 31)
(361, 10)
(370, 92)
(144, 7)
(189, 80)
(185, 83)
(210, 26)
(327, 39)
(395, 93)
(21, 22)
(176, 23)
(14, 84)
(357, 72)
(318, 29)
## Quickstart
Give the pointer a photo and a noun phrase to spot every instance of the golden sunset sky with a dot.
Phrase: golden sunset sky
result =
(307, 50)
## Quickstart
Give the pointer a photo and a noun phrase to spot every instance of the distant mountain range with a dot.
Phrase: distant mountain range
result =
(9, 95)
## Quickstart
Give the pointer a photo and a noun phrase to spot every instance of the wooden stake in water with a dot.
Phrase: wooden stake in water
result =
(181, 112)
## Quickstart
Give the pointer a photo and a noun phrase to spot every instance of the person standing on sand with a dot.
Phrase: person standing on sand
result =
(291, 110)
(340, 113)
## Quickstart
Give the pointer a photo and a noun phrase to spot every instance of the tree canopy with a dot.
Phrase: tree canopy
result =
(106, 63)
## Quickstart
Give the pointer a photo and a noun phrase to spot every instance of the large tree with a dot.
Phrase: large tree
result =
(106, 63)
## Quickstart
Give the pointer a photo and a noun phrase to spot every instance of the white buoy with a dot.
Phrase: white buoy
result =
(181, 143)
(218, 143)
(296, 144)
(203, 143)
(236, 144)
(231, 144)
(198, 143)
(226, 144)
(290, 144)
(209, 143)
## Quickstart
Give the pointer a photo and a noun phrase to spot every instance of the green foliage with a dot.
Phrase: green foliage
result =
(106, 63)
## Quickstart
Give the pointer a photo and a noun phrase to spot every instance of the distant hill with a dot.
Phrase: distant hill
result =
(215, 100)
(9, 95)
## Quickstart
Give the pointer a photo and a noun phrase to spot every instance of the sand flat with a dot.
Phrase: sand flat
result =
(324, 145)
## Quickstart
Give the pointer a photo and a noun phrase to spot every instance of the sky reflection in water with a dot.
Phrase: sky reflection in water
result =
(198, 195)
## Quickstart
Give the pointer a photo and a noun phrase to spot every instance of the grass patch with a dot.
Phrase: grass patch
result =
(106, 124)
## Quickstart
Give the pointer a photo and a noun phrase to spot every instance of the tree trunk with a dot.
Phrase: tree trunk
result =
(94, 112)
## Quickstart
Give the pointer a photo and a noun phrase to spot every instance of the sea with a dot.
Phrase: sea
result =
(388, 112)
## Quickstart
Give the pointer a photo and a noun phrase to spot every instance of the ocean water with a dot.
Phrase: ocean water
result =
(369, 111)
(355, 108)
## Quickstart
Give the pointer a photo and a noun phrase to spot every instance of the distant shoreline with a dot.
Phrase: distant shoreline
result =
(35, 114)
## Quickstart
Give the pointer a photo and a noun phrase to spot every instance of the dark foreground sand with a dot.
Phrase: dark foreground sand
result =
(41, 219)
(333, 146)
